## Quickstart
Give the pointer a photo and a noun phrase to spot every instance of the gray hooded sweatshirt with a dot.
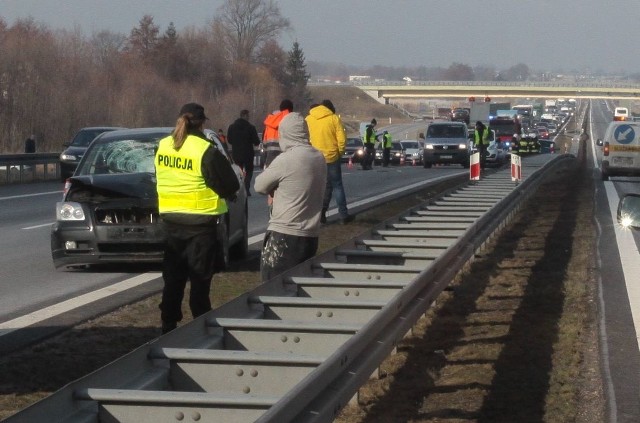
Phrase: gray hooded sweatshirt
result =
(297, 178)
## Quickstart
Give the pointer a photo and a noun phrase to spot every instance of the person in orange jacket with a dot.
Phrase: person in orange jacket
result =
(271, 136)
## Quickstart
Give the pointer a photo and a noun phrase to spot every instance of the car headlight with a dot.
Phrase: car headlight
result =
(68, 157)
(462, 146)
(428, 147)
(360, 152)
(67, 211)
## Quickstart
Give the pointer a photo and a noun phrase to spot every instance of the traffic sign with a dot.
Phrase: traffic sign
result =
(624, 134)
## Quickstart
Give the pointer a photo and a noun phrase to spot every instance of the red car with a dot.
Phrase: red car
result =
(543, 133)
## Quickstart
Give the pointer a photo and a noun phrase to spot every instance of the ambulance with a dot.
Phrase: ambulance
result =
(620, 150)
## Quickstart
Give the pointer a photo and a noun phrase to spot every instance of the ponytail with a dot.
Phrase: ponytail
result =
(180, 132)
(184, 126)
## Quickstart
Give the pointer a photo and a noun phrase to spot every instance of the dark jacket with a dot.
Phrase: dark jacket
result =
(242, 136)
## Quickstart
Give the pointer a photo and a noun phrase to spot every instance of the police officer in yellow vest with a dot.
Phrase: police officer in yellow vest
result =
(386, 148)
(481, 141)
(369, 141)
(188, 169)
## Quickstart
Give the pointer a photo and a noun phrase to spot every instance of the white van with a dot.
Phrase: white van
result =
(621, 113)
(620, 150)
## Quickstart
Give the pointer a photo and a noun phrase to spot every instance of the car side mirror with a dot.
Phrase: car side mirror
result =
(599, 142)
(629, 211)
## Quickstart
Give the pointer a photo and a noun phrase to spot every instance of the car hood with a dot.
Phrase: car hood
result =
(412, 150)
(446, 141)
(97, 188)
(75, 150)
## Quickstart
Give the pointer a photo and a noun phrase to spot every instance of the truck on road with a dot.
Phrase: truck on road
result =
(483, 112)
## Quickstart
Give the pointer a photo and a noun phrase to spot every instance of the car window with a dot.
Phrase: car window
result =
(410, 144)
(445, 131)
(84, 137)
(354, 142)
(121, 156)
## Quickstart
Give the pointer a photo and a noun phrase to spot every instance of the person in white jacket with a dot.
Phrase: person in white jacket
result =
(296, 178)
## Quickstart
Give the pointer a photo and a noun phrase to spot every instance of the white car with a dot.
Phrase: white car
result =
(412, 151)
(496, 154)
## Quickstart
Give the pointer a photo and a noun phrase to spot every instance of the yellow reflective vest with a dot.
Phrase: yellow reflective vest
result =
(180, 184)
(372, 136)
(387, 141)
(485, 137)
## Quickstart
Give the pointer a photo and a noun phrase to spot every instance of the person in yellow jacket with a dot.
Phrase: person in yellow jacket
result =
(327, 134)
(193, 180)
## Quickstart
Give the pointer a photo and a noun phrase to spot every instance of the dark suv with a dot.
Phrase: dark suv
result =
(460, 114)
(75, 149)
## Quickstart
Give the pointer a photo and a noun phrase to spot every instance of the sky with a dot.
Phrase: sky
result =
(549, 35)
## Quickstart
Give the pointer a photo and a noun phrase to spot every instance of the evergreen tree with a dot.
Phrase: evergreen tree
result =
(297, 77)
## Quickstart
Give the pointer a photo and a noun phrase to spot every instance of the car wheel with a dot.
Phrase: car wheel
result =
(241, 248)
(426, 165)
(222, 257)
(605, 177)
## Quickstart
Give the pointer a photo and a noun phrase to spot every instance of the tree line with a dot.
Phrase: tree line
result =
(54, 82)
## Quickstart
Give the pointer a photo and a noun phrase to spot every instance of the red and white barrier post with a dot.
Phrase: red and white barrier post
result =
(474, 167)
(516, 168)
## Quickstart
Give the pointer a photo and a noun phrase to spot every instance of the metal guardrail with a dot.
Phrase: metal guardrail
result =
(20, 168)
(297, 348)
(532, 84)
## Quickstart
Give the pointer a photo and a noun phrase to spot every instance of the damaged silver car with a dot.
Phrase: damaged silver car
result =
(109, 211)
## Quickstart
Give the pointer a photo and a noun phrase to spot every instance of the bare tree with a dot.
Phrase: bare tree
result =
(247, 24)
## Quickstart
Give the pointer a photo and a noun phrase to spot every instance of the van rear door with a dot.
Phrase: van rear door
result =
(621, 150)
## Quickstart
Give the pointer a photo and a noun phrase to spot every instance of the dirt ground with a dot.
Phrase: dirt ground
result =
(513, 340)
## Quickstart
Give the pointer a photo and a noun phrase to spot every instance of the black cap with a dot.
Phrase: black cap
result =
(374, 122)
(195, 110)
(286, 104)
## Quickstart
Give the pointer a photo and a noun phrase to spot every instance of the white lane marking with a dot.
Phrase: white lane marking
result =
(13, 197)
(38, 226)
(628, 252)
(73, 303)
(592, 141)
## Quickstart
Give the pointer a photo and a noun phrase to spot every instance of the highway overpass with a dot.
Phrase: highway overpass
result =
(388, 90)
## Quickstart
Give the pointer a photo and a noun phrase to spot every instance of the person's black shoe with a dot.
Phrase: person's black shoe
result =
(347, 219)
(168, 327)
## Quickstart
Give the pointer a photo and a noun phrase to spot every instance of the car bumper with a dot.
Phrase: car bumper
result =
(609, 169)
(105, 244)
(446, 157)
(67, 169)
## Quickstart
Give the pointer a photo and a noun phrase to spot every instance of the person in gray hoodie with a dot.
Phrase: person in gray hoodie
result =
(296, 179)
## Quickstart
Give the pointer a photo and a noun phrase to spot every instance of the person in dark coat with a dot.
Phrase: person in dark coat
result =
(30, 144)
(242, 136)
